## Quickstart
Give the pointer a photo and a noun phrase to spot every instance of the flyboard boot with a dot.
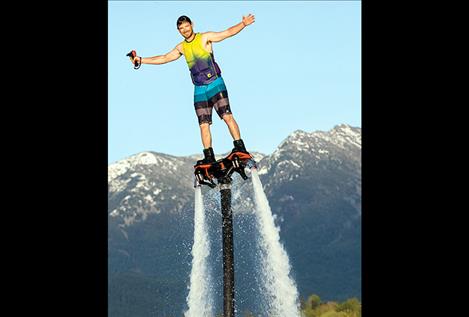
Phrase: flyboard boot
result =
(202, 167)
(241, 157)
(209, 157)
(207, 170)
(239, 147)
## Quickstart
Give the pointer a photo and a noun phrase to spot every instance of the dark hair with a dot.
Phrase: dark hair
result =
(181, 19)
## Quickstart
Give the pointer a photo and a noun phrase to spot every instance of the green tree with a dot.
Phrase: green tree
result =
(333, 314)
(325, 309)
(351, 306)
(313, 301)
(314, 307)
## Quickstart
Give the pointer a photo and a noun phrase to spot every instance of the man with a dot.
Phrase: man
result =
(209, 88)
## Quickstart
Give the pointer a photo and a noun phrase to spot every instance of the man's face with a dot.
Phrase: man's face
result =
(185, 28)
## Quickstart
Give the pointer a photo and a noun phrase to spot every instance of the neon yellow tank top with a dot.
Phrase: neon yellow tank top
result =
(201, 63)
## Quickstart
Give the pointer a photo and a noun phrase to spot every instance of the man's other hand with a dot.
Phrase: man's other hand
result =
(248, 19)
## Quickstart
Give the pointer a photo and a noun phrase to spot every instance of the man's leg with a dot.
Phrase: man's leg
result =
(206, 136)
(209, 156)
(232, 126)
(234, 131)
(203, 110)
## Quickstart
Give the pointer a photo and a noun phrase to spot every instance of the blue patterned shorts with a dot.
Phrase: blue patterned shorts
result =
(207, 97)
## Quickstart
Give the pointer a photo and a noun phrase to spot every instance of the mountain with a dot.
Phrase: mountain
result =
(313, 183)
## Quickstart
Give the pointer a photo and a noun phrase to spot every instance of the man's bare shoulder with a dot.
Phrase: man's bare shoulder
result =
(206, 35)
(180, 48)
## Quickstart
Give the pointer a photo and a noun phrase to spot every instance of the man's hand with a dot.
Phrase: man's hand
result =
(248, 19)
(133, 59)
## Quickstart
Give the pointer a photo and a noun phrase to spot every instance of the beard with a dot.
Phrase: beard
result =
(190, 34)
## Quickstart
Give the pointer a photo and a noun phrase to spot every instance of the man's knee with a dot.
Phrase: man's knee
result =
(228, 118)
(204, 126)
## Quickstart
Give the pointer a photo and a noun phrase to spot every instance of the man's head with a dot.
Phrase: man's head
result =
(184, 25)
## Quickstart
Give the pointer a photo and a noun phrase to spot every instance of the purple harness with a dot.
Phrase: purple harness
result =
(204, 72)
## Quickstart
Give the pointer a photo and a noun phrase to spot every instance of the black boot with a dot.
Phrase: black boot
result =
(209, 157)
(239, 146)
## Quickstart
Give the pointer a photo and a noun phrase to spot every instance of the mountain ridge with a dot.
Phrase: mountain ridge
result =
(313, 184)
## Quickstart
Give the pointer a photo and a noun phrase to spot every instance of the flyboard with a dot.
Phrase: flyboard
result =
(221, 171)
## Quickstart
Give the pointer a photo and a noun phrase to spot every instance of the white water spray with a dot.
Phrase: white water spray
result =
(282, 294)
(199, 299)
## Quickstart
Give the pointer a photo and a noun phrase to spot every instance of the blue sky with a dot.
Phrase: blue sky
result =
(297, 67)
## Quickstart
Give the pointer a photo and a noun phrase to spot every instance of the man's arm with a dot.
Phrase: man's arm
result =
(161, 59)
(235, 29)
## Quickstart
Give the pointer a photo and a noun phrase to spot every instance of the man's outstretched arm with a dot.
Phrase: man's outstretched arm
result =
(235, 29)
(161, 59)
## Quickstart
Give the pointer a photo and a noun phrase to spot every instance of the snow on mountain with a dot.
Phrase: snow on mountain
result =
(310, 159)
(144, 158)
(150, 182)
(312, 148)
